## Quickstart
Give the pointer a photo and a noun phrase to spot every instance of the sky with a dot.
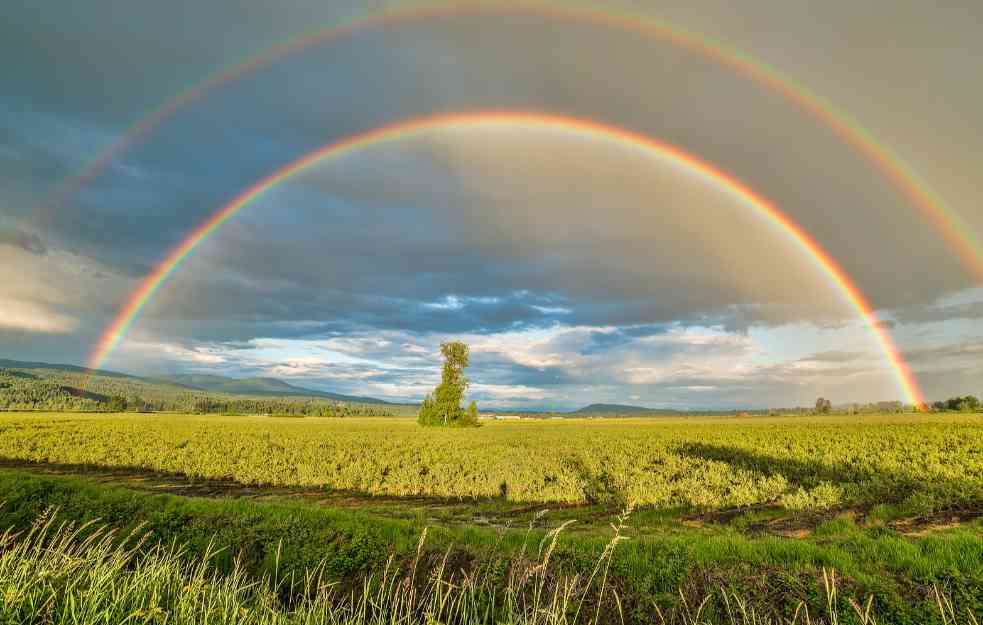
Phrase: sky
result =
(579, 268)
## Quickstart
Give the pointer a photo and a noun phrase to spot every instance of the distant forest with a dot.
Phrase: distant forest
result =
(60, 390)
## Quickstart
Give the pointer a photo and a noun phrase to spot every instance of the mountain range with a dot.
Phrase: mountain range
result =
(623, 409)
(273, 387)
(256, 386)
(260, 386)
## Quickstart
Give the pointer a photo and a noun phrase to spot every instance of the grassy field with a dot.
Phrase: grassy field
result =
(759, 508)
(670, 572)
(924, 463)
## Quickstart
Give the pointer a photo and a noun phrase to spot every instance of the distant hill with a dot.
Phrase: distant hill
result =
(623, 409)
(20, 364)
(257, 386)
(143, 386)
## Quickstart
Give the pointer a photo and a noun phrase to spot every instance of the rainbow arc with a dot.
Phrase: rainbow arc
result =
(958, 234)
(124, 320)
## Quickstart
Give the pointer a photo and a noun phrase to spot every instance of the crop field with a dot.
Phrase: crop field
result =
(764, 508)
(924, 463)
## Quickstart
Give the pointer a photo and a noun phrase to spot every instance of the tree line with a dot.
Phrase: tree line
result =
(20, 390)
(967, 403)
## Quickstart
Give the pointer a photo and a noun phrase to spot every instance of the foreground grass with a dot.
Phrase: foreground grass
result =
(666, 573)
(61, 573)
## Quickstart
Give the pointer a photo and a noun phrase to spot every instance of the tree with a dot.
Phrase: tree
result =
(117, 403)
(443, 407)
(968, 403)
(964, 404)
(823, 406)
(471, 417)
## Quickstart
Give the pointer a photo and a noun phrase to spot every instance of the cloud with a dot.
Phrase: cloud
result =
(513, 393)
(27, 241)
(967, 304)
(450, 259)
(31, 317)
(504, 194)
(154, 351)
(945, 382)
(838, 356)
(677, 367)
(583, 267)
(972, 350)
(315, 368)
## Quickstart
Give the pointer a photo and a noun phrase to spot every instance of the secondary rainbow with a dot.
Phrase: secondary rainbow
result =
(118, 329)
(958, 234)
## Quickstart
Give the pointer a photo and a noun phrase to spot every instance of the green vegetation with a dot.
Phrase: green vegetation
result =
(207, 560)
(728, 515)
(926, 462)
(443, 408)
(66, 389)
(969, 403)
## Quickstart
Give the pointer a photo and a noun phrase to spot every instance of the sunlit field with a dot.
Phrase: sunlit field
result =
(923, 462)
(692, 520)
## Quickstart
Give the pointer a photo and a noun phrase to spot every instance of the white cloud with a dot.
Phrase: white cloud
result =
(154, 353)
(516, 392)
(33, 317)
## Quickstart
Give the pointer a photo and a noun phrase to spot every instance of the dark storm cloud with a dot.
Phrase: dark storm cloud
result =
(252, 113)
(114, 59)
(25, 166)
(189, 171)
(426, 249)
(297, 312)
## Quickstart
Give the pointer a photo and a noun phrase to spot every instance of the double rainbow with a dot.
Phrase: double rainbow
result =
(958, 234)
(591, 129)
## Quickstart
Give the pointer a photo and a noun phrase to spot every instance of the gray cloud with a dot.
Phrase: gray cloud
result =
(27, 241)
(944, 312)
(971, 350)
(837, 356)
(953, 381)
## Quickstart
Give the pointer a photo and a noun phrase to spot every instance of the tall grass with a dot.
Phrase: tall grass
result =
(58, 572)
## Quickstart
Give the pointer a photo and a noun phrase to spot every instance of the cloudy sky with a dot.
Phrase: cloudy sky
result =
(578, 268)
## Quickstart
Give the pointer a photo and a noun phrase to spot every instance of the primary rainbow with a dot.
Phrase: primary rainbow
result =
(118, 329)
(958, 234)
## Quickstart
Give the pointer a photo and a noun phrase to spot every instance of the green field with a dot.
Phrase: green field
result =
(756, 507)
(923, 462)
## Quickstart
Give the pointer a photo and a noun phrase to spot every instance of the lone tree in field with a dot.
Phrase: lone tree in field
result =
(823, 406)
(443, 407)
